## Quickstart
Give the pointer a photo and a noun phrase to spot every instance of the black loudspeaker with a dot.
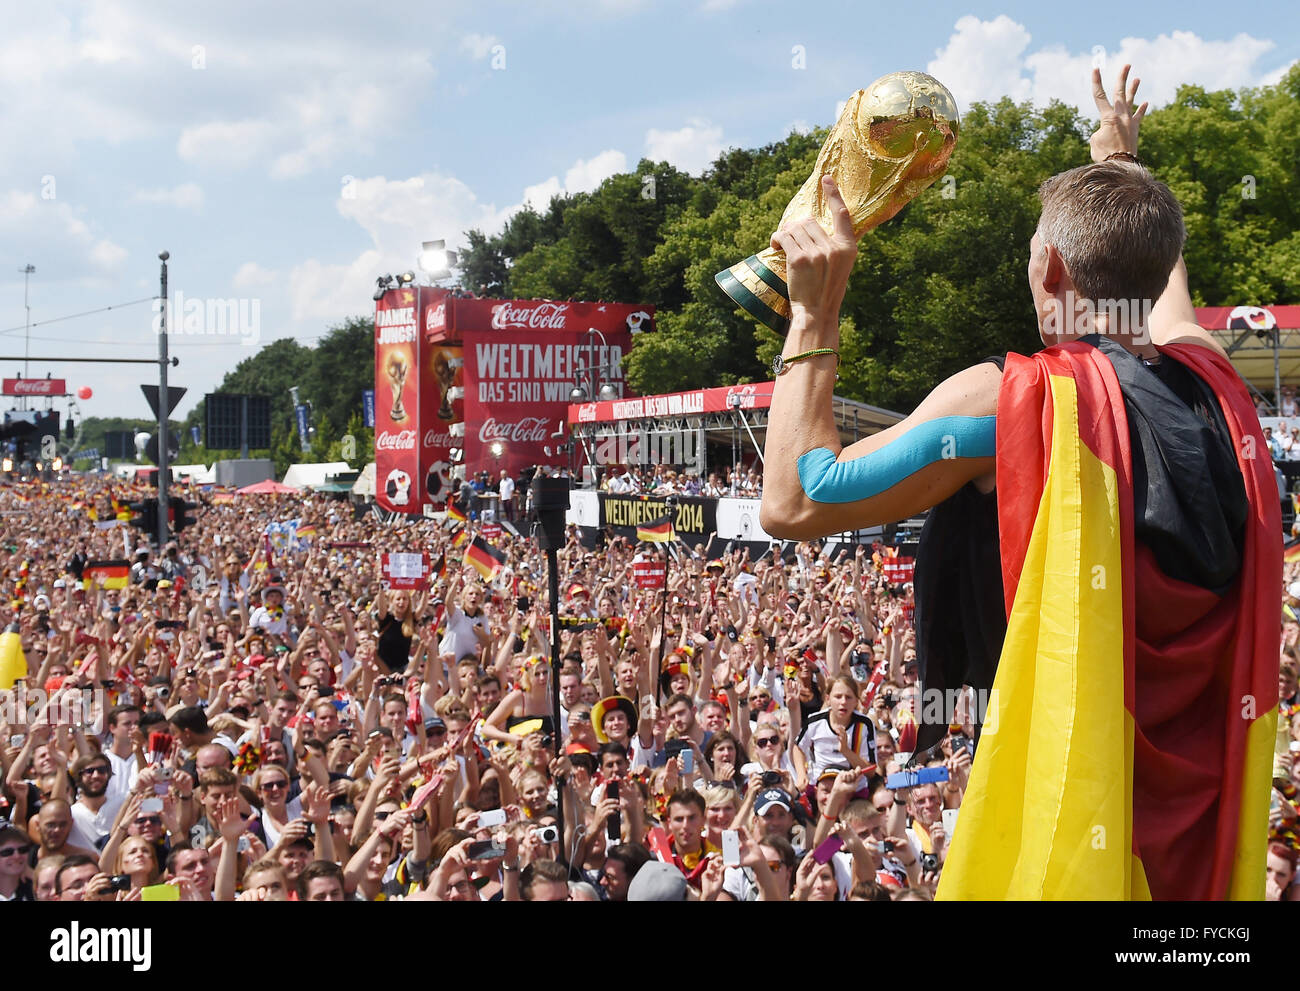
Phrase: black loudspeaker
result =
(550, 503)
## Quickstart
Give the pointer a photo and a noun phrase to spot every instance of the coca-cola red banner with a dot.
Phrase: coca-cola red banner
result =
(518, 381)
(397, 400)
(899, 570)
(442, 379)
(464, 316)
(649, 574)
(718, 400)
(405, 570)
(35, 387)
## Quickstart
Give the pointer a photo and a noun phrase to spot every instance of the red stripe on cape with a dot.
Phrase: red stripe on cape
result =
(1193, 659)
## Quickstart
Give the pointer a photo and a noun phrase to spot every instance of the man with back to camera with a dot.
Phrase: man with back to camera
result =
(1124, 471)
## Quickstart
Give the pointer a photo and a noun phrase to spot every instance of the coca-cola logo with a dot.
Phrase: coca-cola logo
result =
(435, 317)
(34, 387)
(747, 394)
(587, 413)
(403, 440)
(433, 439)
(541, 316)
(531, 429)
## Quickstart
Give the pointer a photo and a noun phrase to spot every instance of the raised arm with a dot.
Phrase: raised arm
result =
(814, 486)
(1173, 318)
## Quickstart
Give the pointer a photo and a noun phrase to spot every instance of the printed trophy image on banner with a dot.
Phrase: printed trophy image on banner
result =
(445, 368)
(397, 399)
(442, 395)
(397, 368)
(892, 140)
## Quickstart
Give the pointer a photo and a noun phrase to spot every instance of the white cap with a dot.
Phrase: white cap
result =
(1293, 590)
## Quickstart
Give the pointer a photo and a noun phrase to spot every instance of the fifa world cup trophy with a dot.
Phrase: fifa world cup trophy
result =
(397, 368)
(893, 139)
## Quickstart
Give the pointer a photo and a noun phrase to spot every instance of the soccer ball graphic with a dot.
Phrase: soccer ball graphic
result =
(1251, 318)
(438, 482)
(398, 487)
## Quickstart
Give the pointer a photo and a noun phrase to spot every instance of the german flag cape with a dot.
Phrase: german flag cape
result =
(1127, 745)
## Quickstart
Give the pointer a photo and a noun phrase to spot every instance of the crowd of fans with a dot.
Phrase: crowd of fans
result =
(243, 721)
(663, 480)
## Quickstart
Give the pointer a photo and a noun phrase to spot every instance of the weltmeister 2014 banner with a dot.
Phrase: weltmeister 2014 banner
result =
(522, 360)
(694, 518)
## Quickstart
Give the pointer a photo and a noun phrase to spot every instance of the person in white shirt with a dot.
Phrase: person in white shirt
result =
(506, 489)
(94, 812)
(467, 631)
(269, 616)
(125, 751)
(232, 577)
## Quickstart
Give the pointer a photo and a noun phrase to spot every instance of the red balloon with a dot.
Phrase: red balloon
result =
(85, 392)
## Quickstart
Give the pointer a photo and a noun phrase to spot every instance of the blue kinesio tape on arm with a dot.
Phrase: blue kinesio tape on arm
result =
(826, 480)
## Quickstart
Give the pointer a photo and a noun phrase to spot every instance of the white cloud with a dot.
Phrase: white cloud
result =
(107, 255)
(692, 148)
(581, 177)
(225, 143)
(982, 60)
(1275, 77)
(479, 46)
(539, 195)
(987, 60)
(290, 97)
(54, 237)
(396, 214)
(251, 275)
(585, 176)
(186, 196)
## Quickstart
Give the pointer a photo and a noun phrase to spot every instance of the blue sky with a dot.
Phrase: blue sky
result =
(287, 153)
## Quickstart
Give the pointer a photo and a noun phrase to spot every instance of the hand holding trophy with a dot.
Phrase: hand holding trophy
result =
(892, 140)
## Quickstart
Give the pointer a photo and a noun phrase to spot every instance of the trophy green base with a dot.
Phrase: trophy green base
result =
(760, 291)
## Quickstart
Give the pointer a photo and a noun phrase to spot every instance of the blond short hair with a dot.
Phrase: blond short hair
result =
(1119, 230)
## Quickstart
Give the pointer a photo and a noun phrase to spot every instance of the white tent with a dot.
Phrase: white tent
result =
(311, 475)
(365, 483)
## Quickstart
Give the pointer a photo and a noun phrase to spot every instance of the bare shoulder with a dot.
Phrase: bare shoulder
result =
(1186, 332)
(971, 392)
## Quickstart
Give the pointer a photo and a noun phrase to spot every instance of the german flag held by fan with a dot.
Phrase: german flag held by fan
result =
(487, 560)
(115, 573)
(658, 531)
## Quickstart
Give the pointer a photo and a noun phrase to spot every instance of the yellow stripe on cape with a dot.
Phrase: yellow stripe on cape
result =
(1048, 812)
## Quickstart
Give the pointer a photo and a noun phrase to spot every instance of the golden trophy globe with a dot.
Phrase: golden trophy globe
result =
(892, 140)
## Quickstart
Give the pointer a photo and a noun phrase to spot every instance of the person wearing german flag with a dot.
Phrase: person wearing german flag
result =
(1102, 558)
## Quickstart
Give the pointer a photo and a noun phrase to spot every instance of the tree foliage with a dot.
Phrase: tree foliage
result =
(940, 286)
